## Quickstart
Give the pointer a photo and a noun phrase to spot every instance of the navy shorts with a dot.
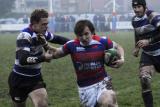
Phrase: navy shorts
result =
(20, 86)
(150, 60)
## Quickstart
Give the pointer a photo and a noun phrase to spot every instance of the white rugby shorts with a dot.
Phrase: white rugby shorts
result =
(89, 95)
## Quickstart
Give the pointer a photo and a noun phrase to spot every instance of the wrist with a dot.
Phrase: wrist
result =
(46, 46)
(122, 58)
(45, 43)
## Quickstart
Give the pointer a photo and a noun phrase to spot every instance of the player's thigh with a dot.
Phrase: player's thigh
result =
(156, 62)
(146, 68)
(39, 96)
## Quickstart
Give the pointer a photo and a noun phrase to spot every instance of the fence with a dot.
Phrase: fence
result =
(121, 25)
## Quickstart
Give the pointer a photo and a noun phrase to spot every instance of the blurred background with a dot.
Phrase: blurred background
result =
(108, 16)
(105, 14)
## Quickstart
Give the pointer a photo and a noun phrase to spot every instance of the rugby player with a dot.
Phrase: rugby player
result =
(26, 80)
(87, 53)
(146, 24)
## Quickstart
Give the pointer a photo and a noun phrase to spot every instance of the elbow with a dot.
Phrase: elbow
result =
(22, 61)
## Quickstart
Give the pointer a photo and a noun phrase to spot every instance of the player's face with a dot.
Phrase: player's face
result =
(139, 10)
(41, 26)
(86, 36)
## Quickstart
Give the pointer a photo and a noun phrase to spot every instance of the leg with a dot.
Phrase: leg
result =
(146, 73)
(23, 104)
(39, 97)
(16, 92)
(107, 99)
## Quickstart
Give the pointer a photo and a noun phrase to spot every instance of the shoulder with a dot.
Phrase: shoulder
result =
(96, 37)
(49, 36)
(24, 38)
(153, 17)
(101, 39)
(151, 14)
(104, 40)
(72, 42)
(23, 35)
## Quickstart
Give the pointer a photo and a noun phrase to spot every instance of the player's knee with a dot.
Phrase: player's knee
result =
(146, 71)
(145, 83)
(109, 100)
(43, 103)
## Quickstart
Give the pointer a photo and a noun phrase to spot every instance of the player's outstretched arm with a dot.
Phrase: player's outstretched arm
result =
(56, 52)
(59, 39)
(25, 58)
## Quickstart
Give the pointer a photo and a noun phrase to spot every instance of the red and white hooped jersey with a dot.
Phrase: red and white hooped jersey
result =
(88, 60)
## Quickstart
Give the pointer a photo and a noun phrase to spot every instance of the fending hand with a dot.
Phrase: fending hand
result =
(41, 39)
(48, 56)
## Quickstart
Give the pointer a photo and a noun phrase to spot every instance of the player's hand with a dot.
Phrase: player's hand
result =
(136, 52)
(117, 63)
(48, 56)
(41, 39)
(142, 43)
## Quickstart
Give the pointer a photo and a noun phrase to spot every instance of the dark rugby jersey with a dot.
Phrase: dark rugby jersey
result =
(88, 60)
(147, 27)
(27, 40)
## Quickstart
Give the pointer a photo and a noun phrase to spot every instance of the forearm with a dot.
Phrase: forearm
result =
(59, 40)
(120, 51)
(58, 53)
(26, 59)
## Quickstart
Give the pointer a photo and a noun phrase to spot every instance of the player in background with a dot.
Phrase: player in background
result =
(26, 80)
(146, 24)
(87, 53)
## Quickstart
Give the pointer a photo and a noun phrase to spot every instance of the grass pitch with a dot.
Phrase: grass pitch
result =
(60, 77)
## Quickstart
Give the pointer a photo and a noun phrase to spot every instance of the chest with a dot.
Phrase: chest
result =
(36, 47)
(89, 53)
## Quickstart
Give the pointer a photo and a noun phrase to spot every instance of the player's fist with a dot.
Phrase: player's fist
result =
(41, 39)
(48, 56)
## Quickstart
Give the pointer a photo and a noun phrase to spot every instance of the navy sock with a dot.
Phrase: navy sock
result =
(148, 99)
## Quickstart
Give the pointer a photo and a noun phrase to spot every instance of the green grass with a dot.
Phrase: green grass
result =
(60, 77)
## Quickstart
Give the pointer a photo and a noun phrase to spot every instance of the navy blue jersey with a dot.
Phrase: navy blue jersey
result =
(88, 60)
(147, 27)
(27, 42)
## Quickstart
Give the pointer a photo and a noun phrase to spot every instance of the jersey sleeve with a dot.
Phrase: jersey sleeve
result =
(24, 41)
(67, 47)
(49, 36)
(107, 42)
(23, 50)
(154, 18)
(56, 38)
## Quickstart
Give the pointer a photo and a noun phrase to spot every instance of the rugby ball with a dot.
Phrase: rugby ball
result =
(110, 56)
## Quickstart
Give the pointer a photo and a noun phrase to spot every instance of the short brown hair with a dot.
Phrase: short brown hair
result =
(37, 14)
(81, 24)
